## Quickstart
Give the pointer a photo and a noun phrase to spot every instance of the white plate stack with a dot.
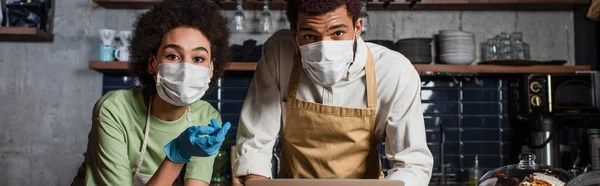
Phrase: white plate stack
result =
(457, 47)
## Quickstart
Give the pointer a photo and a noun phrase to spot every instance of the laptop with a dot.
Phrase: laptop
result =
(323, 182)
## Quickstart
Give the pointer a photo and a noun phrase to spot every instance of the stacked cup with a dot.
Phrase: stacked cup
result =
(457, 47)
(107, 49)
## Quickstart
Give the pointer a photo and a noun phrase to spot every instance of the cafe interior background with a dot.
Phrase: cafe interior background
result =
(52, 72)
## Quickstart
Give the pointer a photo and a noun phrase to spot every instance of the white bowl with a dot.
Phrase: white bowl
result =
(458, 55)
(455, 33)
(457, 59)
(456, 37)
(457, 40)
(457, 49)
(450, 46)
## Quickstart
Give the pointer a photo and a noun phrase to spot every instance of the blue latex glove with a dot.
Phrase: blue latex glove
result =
(202, 141)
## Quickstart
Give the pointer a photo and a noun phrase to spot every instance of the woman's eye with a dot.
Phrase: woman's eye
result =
(309, 37)
(198, 60)
(172, 57)
(338, 34)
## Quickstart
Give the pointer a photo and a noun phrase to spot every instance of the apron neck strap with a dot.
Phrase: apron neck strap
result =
(371, 81)
(295, 78)
(370, 77)
(147, 133)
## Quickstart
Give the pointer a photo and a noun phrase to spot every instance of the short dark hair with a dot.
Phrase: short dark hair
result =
(320, 7)
(150, 28)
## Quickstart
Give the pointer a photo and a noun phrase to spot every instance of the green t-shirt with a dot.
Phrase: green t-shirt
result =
(117, 133)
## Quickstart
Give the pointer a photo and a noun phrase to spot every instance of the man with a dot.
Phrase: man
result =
(331, 97)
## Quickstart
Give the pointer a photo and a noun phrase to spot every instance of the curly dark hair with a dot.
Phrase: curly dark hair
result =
(166, 15)
(320, 7)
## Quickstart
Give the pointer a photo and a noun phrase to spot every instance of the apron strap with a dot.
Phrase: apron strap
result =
(147, 132)
(371, 82)
(145, 143)
(294, 78)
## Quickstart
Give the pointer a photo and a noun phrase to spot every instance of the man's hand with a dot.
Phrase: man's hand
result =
(243, 179)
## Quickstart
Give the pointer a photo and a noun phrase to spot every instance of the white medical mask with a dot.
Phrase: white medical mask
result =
(327, 61)
(182, 83)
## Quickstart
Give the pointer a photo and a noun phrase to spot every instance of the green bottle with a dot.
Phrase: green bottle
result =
(219, 168)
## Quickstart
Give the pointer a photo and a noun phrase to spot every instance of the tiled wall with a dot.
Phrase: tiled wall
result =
(473, 111)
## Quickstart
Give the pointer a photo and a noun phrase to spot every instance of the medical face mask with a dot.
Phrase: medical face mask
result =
(326, 62)
(182, 83)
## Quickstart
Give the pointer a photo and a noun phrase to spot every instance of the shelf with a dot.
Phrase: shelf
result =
(110, 67)
(226, 4)
(121, 68)
(24, 34)
(499, 69)
(125, 4)
(378, 4)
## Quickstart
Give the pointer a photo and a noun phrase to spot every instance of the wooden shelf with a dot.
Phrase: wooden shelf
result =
(110, 67)
(226, 4)
(378, 4)
(125, 4)
(499, 69)
(121, 68)
(24, 34)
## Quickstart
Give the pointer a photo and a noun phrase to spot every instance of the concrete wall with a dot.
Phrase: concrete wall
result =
(48, 92)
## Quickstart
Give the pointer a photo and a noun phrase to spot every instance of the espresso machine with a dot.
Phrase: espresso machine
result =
(545, 109)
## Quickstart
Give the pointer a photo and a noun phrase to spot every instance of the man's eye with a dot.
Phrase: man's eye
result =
(338, 34)
(309, 37)
(172, 57)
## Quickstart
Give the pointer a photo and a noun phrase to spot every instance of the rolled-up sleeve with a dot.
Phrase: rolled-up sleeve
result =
(260, 119)
(406, 144)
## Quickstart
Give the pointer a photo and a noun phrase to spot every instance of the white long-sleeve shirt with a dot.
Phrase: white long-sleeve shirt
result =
(399, 112)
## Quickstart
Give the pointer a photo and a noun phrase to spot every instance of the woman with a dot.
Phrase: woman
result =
(178, 49)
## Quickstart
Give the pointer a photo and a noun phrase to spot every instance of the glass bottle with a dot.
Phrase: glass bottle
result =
(517, 45)
(239, 24)
(474, 173)
(505, 46)
(220, 167)
(526, 51)
(266, 23)
(491, 53)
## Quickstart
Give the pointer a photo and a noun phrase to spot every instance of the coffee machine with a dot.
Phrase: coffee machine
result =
(544, 107)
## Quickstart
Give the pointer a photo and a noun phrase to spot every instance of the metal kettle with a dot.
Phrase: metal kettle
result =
(544, 140)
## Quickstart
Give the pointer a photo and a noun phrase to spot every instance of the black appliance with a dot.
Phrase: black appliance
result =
(543, 106)
(555, 94)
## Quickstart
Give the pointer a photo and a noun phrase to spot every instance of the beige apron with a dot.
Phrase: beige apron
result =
(140, 179)
(321, 141)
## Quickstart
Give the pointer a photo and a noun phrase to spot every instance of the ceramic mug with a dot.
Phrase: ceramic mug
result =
(122, 53)
(107, 53)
